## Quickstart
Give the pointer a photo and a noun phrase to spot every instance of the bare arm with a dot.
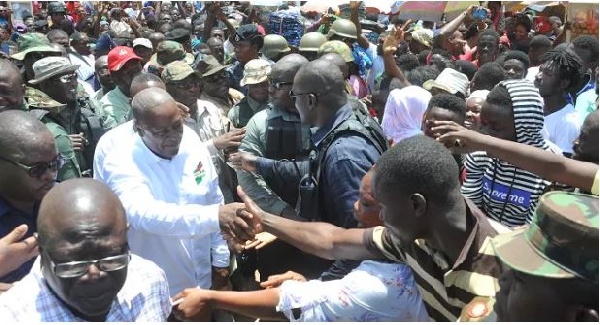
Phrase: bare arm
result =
(362, 40)
(548, 165)
(259, 304)
(318, 238)
(390, 46)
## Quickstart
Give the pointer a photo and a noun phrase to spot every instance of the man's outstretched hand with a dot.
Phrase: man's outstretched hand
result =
(240, 222)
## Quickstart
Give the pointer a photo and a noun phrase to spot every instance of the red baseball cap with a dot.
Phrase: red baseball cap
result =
(120, 55)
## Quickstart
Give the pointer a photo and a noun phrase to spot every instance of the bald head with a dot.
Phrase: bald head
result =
(152, 102)
(338, 61)
(11, 86)
(145, 81)
(93, 209)
(286, 68)
(322, 77)
(101, 62)
(22, 135)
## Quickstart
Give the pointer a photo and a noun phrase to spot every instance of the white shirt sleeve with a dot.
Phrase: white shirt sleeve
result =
(374, 291)
(155, 216)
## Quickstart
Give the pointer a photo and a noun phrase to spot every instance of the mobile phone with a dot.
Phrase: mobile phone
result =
(480, 13)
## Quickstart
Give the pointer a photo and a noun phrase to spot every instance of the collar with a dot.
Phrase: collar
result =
(589, 85)
(117, 91)
(6, 207)
(208, 107)
(342, 114)
(151, 156)
(276, 112)
(480, 230)
(254, 105)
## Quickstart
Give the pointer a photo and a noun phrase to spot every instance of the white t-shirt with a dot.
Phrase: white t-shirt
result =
(562, 127)
(532, 72)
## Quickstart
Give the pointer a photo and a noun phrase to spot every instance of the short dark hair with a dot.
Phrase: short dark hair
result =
(423, 57)
(499, 96)
(589, 43)
(488, 76)
(422, 73)
(407, 62)
(466, 67)
(540, 41)
(567, 65)
(418, 165)
(490, 32)
(452, 103)
(515, 55)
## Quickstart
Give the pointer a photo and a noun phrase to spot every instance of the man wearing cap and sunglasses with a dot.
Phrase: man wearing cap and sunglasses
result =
(70, 118)
(216, 87)
(256, 73)
(29, 162)
(85, 271)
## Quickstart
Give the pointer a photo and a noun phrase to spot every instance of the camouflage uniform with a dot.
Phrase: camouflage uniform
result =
(561, 243)
(46, 109)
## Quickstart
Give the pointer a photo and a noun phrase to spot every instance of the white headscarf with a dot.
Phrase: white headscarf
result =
(404, 111)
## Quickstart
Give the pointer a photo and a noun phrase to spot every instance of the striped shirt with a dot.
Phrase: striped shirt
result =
(444, 286)
(504, 192)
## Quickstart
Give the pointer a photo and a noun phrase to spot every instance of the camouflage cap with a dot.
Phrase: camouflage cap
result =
(32, 42)
(169, 51)
(338, 47)
(56, 7)
(562, 241)
(177, 71)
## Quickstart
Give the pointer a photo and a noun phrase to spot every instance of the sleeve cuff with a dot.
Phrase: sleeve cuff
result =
(263, 165)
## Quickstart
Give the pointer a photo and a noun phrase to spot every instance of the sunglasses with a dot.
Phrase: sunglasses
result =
(67, 77)
(76, 269)
(278, 84)
(37, 170)
(293, 95)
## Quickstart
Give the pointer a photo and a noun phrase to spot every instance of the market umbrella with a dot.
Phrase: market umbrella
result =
(320, 6)
(455, 8)
(548, 8)
(422, 10)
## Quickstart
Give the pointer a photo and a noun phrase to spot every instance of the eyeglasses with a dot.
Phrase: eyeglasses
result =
(278, 84)
(36, 171)
(67, 77)
(76, 269)
(293, 96)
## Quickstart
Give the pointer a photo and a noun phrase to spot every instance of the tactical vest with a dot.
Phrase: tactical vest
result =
(309, 205)
(284, 142)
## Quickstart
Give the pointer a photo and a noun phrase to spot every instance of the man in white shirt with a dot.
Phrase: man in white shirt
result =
(81, 55)
(562, 123)
(167, 183)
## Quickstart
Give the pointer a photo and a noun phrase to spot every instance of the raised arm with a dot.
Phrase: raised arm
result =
(548, 165)
(362, 40)
(390, 46)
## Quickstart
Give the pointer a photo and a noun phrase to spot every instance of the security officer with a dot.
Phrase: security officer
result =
(256, 73)
(277, 133)
(57, 11)
(247, 42)
(343, 30)
(310, 43)
(275, 47)
(66, 112)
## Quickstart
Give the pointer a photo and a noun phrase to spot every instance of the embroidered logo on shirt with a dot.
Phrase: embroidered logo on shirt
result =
(199, 173)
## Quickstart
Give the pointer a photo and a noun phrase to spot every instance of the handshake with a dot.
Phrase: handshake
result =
(240, 224)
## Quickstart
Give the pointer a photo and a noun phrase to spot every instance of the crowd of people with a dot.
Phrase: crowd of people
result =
(222, 161)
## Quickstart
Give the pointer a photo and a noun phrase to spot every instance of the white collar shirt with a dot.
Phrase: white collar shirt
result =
(171, 205)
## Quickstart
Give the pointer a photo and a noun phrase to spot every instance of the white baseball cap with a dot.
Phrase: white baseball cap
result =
(142, 42)
(451, 81)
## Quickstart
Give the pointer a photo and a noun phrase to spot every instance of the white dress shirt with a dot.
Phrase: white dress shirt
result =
(172, 205)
